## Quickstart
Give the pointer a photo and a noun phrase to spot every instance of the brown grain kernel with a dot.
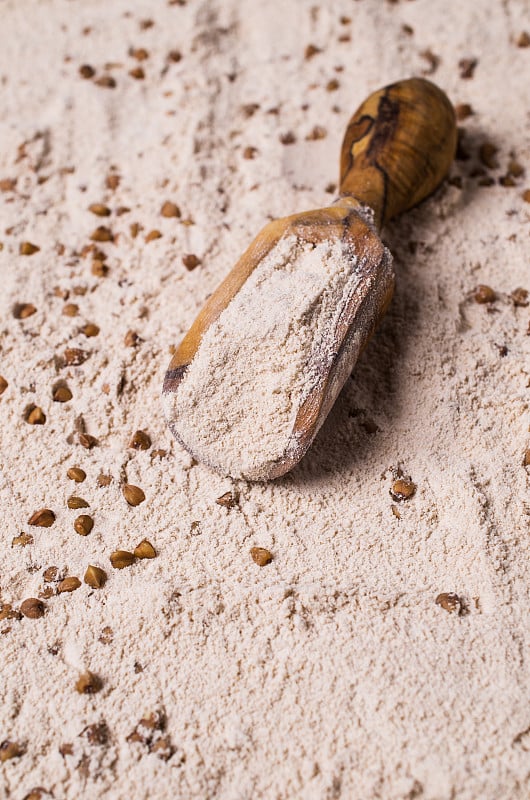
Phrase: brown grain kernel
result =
(520, 297)
(95, 577)
(139, 53)
(22, 540)
(71, 310)
(137, 73)
(133, 494)
(99, 269)
(287, 138)
(86, 440)
(332, 85)
(228, 500)
(103, 480)
(250, 152)
(86, 71)
(99, 209)
(144, 550)
(74, 356)
(32, 608)
(170, 209)
(10, 750)
(261, 556)
(122, 210)
(106, 81)
(134, 229)
(3, 384)
(24, 310)
(38, 793)
(175, 56)
(27, 249)
(190, 261)
(140, 441)
(88, 683)
(526, 459)
(106, 636)
(484, 294)
(101, 234)
(318, 132)
(77, 502)
(152, 235)
(43, 518)
(131, 339)
(523, 40)
(90, 330)
(487, 154)
(83, 524)
(36, 416)
(112, 181)
(402, 490)
(62, 394)
(463, 111)
(50, 574)
(449, 601)
(310, 51)
(68, 585)
(467, 67)
(515, 169)
(121, 559)
(8, 612)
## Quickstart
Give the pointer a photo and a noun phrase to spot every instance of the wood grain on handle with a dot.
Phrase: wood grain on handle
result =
(398, 147)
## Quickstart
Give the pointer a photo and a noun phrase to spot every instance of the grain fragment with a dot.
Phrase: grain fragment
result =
(484, 294)
(83, 524)
(520, 297)
(139, 53)
(523, 39)
(87, 441)
(402, 489)
(95, 577)
(102, 234)
(50, 574)
(71, 310)
(287, 138)
(467, 67)
(310, 51)
(77, 502)
(137, 73)
(8, 612)
(228, 500)
(318, 132)
(133, 494)
(152, 235)
(449, 601)
(140, 441)
(170, 209)
(121, 559)
(112, 181)
(86, 71)
(103, 480)
(90, 330)
(144, 550)
(61, 394)
(33, 608)
(332, 85)
(43, 518)
(250, 152)
(99, 269)
(174, 56)
(433, 61)
(99, 209)
(68, 585)
(106, 81)
(131, 339)
(463, 111)
(190, 261)
(526, 459)
(88, 683)
(97, 733)
(22, 540)
(487, 154)
(9, 749)
(106, 636)
(3, 384)
(36, 416)
(74, 357)
(28, 249)
(24, 310)
(261, 556)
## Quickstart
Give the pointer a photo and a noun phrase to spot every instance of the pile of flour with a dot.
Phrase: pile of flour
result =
(237, 404)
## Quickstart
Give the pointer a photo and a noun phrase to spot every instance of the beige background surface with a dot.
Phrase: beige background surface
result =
(331, 673)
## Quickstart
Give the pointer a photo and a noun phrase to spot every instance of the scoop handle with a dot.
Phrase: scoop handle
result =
(398, 147)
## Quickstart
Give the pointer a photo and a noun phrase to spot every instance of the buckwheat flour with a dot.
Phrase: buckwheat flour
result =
(236, 406)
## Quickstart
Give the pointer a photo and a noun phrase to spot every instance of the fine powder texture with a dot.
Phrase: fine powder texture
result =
(237, 404)
(331, 673)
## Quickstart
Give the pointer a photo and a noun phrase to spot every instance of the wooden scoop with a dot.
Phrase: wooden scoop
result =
(397, 149)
